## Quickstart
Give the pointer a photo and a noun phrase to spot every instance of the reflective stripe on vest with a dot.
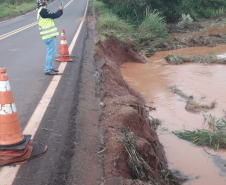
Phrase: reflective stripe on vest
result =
(47, 27)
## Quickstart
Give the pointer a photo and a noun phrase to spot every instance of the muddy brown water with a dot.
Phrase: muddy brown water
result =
(201, 165)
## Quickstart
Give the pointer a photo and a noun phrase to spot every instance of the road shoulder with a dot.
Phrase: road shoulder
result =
(86, 164)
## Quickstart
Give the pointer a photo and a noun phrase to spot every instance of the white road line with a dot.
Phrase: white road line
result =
(26, 27)
(8, 174)
(17, 31)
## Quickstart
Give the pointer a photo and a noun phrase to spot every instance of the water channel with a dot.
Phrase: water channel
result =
(201, 165)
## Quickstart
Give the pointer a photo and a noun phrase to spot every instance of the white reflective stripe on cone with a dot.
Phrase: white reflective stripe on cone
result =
(7, 108)
(62, 34)
(63, 42)
(4, 86)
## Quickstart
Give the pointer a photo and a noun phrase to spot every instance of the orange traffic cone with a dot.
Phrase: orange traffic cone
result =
(13, 144)
(64, 53)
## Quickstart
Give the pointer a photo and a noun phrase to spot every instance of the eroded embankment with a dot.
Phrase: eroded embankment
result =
(210, 40)
(133, 153)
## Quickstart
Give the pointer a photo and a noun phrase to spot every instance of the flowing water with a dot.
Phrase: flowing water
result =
(202, 166)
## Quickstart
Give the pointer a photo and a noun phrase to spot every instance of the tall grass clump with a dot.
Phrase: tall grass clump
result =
(215, 137)
(155, 24)
(109, 23)
(134, 10)
(13, 7)
(203, 137)
(100, 7)
(16, 1)
(151, 27)
(204, 8)
(8, 8)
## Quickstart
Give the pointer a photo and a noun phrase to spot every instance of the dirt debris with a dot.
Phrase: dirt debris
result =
(198, 25)
(158, 44)
(206, 59)
(192, 105)
(125, 108)
(194, 26)
(174, 89)
(112, 49)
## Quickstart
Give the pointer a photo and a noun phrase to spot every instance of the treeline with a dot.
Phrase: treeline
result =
(135, 10)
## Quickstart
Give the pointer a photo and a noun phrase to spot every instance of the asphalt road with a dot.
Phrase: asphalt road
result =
(23, 56)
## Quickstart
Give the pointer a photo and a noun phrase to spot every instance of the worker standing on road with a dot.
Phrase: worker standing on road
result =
(48, 31)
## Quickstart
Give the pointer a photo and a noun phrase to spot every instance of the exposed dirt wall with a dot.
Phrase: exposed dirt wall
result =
(124, 107)
(110, 48)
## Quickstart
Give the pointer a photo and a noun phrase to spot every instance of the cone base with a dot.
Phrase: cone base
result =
(64, 59)
(9, 154)
(26, 155)
(59, 60)
(17, 146)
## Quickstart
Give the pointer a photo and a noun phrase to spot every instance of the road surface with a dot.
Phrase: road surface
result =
(46, 105)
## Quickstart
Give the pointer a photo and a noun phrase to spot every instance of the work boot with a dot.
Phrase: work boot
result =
(55, 70)
(51, 73)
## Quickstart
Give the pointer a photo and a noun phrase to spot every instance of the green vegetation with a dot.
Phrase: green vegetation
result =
(134, 10)
(215, 137)
(11, 7)
(203, 137)
(110, 23)
(204, 8)
(216, 124)
(153, 26)
(16, 1)
(144, 22)
(154, 122)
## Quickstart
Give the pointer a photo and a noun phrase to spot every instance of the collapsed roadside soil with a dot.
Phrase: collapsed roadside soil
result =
(210, 40)
(131, 152)
(125, 124)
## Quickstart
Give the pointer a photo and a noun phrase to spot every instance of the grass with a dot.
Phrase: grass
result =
(7, 9)
(216, 124)
(153, 26)
(210, 12)
(154, 122)
(215, 137)
(139, 167)
(202, 137)
(111, 24)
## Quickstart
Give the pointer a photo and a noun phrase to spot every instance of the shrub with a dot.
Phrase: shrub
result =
(112, 22)
(155, 24)
(135, 10)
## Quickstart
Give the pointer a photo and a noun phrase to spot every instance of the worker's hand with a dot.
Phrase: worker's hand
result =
(61, 8)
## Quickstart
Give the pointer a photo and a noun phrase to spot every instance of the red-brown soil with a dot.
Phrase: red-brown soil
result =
(124, 107)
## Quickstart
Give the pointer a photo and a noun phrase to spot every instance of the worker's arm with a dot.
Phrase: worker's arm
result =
(47, 14)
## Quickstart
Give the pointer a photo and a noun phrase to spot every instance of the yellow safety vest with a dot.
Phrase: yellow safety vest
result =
(47, 27)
